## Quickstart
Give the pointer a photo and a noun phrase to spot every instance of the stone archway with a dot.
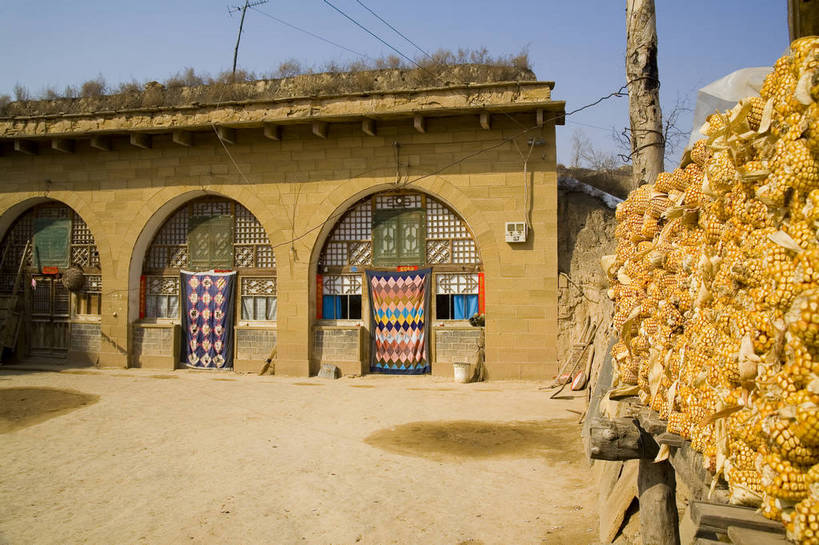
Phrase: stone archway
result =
(51, 277)
(395, 231)
(173, 241)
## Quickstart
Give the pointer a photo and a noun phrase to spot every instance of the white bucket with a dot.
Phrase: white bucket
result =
(461, 371)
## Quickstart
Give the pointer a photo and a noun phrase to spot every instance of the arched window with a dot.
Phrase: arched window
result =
(400, 231)
(210, 233)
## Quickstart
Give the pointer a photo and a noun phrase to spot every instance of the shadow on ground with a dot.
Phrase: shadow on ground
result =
(24, 407)
(457, 439)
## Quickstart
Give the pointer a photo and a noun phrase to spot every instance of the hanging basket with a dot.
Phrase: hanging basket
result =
(73, 279)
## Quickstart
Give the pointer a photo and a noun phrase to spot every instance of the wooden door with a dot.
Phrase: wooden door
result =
(50, 313)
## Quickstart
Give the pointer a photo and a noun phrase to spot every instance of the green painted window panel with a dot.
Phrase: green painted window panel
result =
(210, 242)
(399, 237)
(51, 242)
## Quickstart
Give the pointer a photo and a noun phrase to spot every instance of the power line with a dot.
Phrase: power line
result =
(323, 39)
(419, 48)
(371, 33)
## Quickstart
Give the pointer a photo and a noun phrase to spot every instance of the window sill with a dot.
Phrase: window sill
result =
(339, 324)
(257, 324)
(157, 322)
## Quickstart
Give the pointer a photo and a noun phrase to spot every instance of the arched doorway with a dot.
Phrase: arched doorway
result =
(394, 260)
(50, 284)
(208, 294)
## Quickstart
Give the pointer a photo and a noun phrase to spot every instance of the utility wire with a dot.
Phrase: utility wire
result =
(371, 33)
(418, 47)
(323, 39)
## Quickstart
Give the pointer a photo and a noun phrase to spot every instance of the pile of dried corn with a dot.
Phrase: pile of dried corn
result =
(716, 283)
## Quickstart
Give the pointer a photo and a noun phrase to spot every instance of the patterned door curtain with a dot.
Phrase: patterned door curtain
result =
(399, 302)
(207, 322)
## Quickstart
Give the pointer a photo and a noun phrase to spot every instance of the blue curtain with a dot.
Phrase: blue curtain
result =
(464, 306)
(331, 307)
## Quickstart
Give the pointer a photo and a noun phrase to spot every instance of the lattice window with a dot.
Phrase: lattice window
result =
(356, 224)
(438, 251)
(81, 250)
(265, 258)
(464, 251)
(258, 286)
(443, 223)
(162, 297)
(175, 229)
(361, 253)
(249, 247)
(457, 284)
(243, 256)
(341, 284)
(80, 233)
(448, 239)
(210, 208)
(387, 201)
(258, 298)
(162, 285)
(93, 283)
(53, 211)
(20, 233)
(248, 229)
(335, 253)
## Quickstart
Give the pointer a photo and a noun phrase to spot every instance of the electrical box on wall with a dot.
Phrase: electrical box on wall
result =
(516, 231)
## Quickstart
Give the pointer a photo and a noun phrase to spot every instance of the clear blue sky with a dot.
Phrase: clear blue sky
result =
(579, 45)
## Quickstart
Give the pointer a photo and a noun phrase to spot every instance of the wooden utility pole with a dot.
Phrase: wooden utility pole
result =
(659, 524)
(803, 18)
(646, 118)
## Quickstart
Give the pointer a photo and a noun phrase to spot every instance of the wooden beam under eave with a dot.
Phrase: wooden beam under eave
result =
(63, 144)
(486, 121)
(368, 126)
(25, 146)
(273, 131)
(102, 143)
(183, 138)
(320, 129)
(141, 140)
(419, 123)
(226, 135)
(540, 117)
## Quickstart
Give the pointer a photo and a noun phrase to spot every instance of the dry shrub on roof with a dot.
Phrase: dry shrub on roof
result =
(93, 88)
(290, 79)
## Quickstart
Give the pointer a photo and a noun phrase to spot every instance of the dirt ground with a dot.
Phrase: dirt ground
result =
(130, 456)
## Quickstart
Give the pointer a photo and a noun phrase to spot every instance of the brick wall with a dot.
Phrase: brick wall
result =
(254, 344)
(153, 341)
(336, 344)
(456, 345)
(85, 337)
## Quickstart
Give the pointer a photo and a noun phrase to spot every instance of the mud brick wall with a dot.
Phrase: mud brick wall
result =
(85, 337)
(334, 345)
(456, 345)
(153, 341)
(254, 344)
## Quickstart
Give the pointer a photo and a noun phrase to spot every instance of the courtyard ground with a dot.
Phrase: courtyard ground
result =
(133, 456)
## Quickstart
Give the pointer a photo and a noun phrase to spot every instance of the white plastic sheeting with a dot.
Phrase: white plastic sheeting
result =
(724, 93)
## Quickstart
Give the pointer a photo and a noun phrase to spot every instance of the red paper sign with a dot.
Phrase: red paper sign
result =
(141, 297)
(403, 268)
(50, 270)
(319, 296)
(481, 295)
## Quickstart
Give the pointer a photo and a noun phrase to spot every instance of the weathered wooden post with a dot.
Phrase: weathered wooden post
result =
(642, 78)
(656, 483)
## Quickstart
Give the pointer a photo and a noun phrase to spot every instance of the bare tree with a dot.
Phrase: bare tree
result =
(674, 138)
